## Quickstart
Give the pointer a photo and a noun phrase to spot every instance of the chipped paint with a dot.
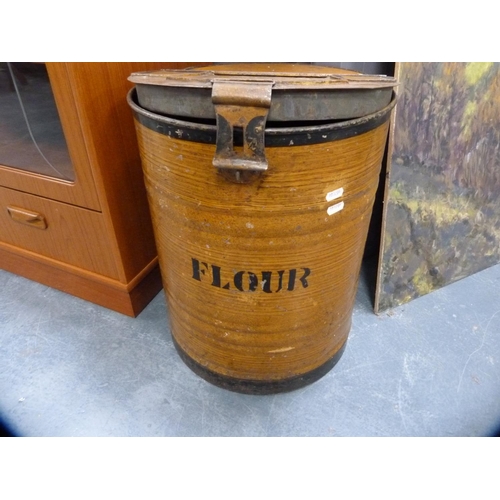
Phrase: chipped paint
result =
(283, 349)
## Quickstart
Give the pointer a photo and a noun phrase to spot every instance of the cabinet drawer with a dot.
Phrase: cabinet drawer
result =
(70, 234)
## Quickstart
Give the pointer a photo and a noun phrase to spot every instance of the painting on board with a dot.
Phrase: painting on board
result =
(442, 203)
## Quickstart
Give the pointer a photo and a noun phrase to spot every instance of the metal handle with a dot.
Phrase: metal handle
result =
(242, 105)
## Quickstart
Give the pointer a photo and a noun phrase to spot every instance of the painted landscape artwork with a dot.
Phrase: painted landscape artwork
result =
(442, 209)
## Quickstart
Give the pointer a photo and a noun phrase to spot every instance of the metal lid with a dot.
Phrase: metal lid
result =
(300, 92)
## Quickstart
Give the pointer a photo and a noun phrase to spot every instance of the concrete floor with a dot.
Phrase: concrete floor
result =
(71, 368)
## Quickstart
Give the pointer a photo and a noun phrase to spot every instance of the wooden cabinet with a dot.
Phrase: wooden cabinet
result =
(87, 232)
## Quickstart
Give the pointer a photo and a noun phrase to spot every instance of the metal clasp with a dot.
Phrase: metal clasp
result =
(245, 105)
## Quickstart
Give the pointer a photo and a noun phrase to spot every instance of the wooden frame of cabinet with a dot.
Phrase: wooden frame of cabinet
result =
(98, 244)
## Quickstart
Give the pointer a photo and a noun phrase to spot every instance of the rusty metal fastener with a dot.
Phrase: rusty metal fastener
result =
(242, 105)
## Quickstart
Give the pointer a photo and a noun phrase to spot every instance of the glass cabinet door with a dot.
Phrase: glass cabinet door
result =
(31, 136)
(67, 132)
(44, 134)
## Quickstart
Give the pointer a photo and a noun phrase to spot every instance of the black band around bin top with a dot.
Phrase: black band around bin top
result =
(274, 137)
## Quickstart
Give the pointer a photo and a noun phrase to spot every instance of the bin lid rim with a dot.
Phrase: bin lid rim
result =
(341, 124)
(296, 78)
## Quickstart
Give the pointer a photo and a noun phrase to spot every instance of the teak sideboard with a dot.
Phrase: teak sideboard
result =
(91, 237)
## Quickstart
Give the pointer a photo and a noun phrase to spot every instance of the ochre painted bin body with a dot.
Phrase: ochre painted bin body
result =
(261, 277)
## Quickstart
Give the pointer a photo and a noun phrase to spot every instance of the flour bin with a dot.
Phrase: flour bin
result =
(261, 181)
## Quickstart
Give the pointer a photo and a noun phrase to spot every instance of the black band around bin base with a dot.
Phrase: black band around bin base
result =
(259, 387)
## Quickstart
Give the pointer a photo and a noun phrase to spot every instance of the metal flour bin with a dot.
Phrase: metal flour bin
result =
(261, 181)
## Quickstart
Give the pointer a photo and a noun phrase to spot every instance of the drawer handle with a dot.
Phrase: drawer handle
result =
(27, 217)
